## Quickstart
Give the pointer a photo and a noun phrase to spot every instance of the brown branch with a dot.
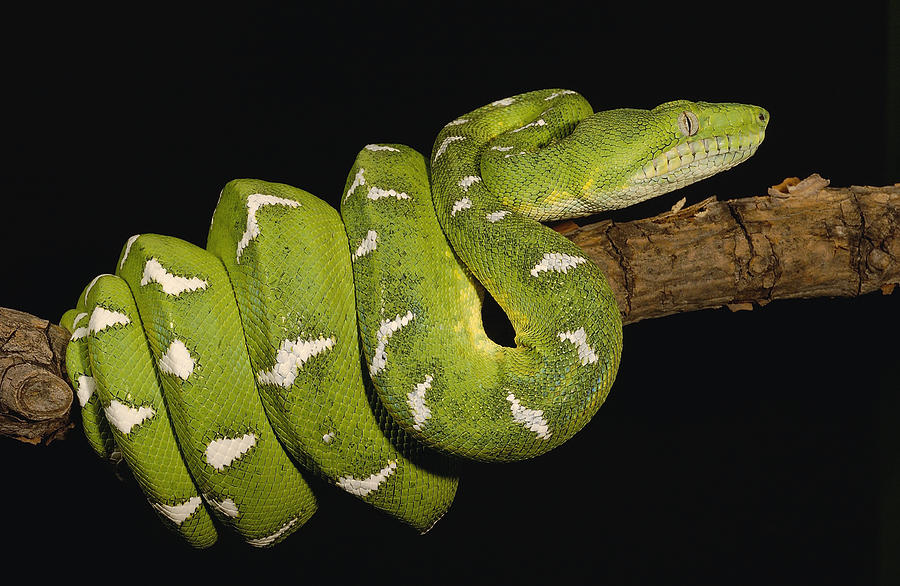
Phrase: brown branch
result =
(802, 240)
(35, 398)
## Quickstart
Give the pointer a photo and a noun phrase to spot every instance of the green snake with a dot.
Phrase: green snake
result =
(219, 374)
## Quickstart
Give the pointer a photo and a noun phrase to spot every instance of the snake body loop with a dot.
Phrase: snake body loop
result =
(218, 373)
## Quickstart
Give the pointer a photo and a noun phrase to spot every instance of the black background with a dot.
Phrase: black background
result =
(737, 448)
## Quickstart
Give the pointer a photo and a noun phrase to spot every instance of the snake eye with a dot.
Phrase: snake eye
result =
(688, 123)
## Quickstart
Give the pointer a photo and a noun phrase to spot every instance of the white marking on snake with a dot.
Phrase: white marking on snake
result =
(358, 180)
(128, 245)
(460, 205)
(86, 387)
(225, 506)
(503, 102)
(502, 149)
(78, 333)
(495, 217)
(92, 283)
(177, 360)
(467, 182)
(538, 122)
(178, 514)
(368, 244)
(387, 329)
(444, 144)
(171, 284)
(218, 201)
(125, 417)
(224, 451)
(378, 147)
(457, 122)
(376, 193)
(557, 94)
(254, 202)
(416, 402)
(556, 261)
(513, 154)
(532, 419)
(102, 318)
(291, 357)
(268, 539)
(366, 485)
(579, 338)
(328, 437)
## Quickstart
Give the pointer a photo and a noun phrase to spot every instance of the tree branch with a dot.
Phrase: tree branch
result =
(35, 397)
(802, 240)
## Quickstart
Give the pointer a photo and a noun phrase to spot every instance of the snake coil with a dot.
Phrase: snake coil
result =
(220, 373)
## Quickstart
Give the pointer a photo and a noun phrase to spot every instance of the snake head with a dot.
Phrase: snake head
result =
(678, 143)
(562, 161)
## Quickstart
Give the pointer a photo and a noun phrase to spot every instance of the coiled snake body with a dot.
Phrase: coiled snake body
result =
(216, 372)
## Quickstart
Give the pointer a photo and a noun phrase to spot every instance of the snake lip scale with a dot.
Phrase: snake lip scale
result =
(350, 346)
(692, 156)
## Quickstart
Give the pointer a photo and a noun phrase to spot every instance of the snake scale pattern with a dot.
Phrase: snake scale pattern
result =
(218, 374)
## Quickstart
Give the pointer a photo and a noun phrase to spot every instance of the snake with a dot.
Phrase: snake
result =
(303, 342)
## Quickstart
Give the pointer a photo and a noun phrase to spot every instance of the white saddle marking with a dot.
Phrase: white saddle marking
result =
(416, 402)
(536, 123)
(556, 261)
(367, 485)
(128, 244)
(495, 217)
(358, 180)
(177, 360)
(532, 419)
(179, 513)
(444, 144)
(378, 147)
(171, 284)
(579, 338)
(78, 333)
(268, 539)
(460, 205)
(387, 329)
(102, 318)
(222, 452)
(467, 182)
(254, 202)
(376, 193)
(86, 387)
(125, 417)
(290, 358)
(368, 244)
(225, 506)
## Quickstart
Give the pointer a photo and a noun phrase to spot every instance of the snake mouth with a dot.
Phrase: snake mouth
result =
(696, 159)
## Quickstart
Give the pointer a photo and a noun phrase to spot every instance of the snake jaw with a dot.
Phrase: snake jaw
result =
(697, 159)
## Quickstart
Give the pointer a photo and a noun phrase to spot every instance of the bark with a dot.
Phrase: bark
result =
(35, 397)
(801, 240)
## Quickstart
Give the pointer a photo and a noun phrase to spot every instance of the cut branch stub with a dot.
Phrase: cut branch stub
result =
(35, 399)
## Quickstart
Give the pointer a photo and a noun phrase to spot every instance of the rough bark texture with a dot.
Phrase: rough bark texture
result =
(35, 399)
(801, 240)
